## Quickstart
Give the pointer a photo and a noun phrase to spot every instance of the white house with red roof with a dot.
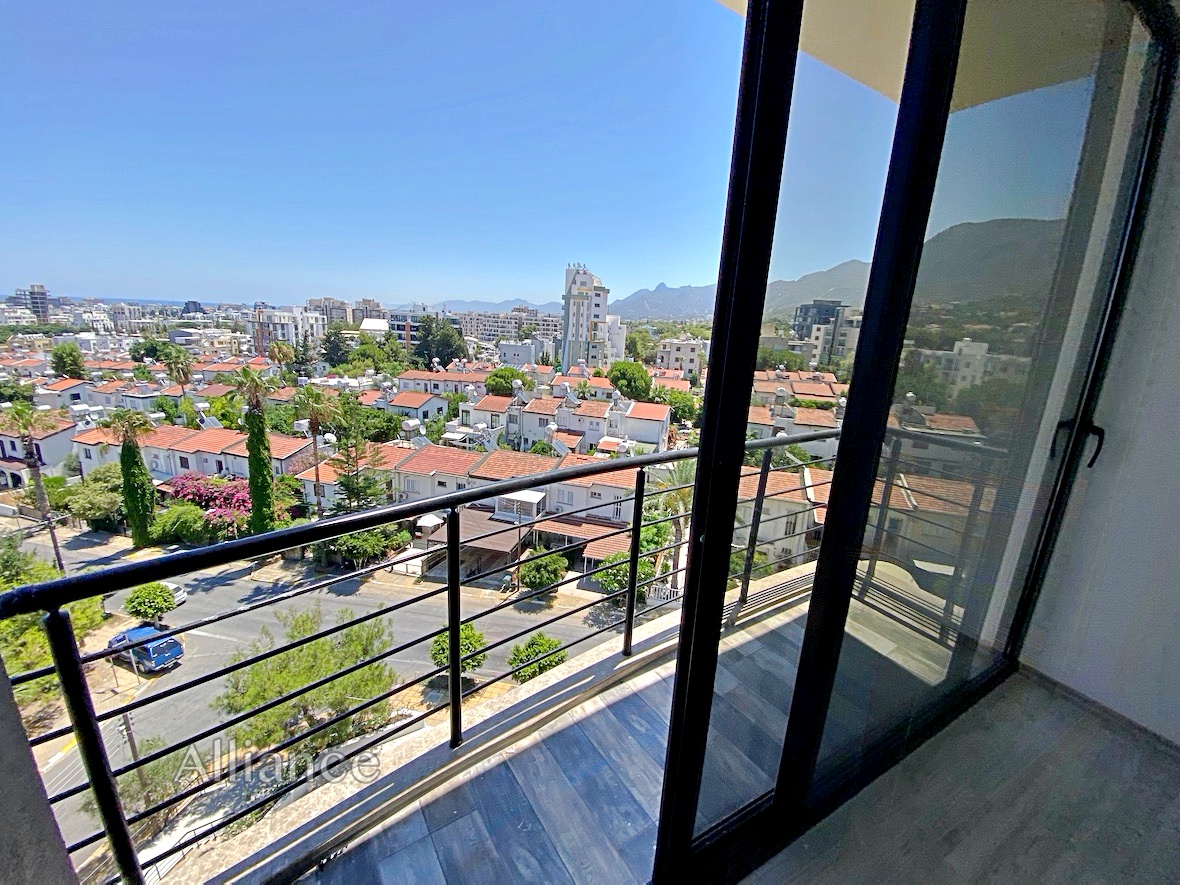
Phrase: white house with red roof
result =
(381, 458)
(415, 404)
(442, 382)
(51, 447)
(63, 393)
(434, 470)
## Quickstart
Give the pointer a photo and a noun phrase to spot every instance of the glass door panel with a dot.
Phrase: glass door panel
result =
(1029, 210)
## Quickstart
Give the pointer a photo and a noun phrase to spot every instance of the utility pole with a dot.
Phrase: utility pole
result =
(129, 736)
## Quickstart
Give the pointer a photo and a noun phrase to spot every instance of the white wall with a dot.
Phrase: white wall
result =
(1108, 620)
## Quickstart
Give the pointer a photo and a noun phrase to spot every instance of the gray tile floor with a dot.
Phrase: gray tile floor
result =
(577, 801)
(1029, 785)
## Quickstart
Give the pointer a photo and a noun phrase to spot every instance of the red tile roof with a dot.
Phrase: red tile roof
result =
(282, 394)
(949, 496)
(759, 415)
(503, 464)
(60, 424)
(64, 384)
(411, 399)
(671, 384)
(369, 397)
(782, 484)
(952, 423)
(214, 440)
(281, 445)
(441, 459)
(96, 436)
(468, 377)
(212, 391)
(806, 417)
(650, 411)
(492, 403)
(623, 478)
(812, 390)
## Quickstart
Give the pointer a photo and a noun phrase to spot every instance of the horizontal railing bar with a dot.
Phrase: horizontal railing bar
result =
(535, 556)
(546, 517)
(897, 534)
(670, 518)
(535, 627)
(253, 606)
(533, 594)
(307, 776)
(86, 842)
(68, 793)
(934, 440)
(60, 731)
(966, 508)
(30, 675)
(657, 578)
(665, 490)
(278, 748)
(494, 679)
(271, 704)
(943, 473)
(62, 591)
(262, 656)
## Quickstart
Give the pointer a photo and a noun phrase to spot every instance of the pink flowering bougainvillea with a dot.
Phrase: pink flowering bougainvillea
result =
(226, 501)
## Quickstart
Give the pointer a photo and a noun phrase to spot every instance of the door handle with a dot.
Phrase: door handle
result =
(1067, 424)
(1098, 433)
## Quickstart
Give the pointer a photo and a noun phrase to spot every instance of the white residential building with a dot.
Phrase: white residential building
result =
(587, 331)
(267, 325)
(685, 354)
(969, 363)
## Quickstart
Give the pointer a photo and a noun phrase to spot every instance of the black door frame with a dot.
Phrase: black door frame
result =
(747, 838)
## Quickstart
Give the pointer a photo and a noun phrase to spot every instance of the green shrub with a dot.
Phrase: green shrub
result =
(538, 646)
(149, 602)
(470, 641)
(181, 523)
(543, 572)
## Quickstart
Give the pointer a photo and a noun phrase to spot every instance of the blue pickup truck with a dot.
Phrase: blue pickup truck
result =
(154, 655)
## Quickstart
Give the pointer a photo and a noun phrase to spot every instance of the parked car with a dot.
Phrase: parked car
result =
(154, 655)
(178, 593)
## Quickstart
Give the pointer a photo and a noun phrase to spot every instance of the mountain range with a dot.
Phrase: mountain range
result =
(967, 262)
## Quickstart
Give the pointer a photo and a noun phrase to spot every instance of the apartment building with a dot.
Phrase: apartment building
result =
(818, 312)
(403, 324)
(588, 332)
(442, 382)
(334, 310)
(686, 355)
(34, 299)
(969, 363)
(836, 339)
(267, 325)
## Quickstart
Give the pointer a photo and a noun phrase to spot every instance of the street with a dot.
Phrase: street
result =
(211, 647)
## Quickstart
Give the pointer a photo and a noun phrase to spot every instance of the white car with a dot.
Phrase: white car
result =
(178, 593)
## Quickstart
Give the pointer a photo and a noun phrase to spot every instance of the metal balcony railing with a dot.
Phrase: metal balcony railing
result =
(87, 724)
(127, 833)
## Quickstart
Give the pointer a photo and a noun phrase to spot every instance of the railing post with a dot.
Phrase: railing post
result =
(633, 571)
(90, 744)
(959, 577)
(882, 514)
(454, 652)
(752, 543)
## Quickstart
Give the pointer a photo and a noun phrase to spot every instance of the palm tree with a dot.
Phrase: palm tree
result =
(281, 352)
(253, 388)
(139, 492)
(311, 403)
(23, 421)
(179, 363)
(674, 484)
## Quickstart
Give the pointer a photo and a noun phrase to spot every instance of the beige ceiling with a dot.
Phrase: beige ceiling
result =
(1009, 46)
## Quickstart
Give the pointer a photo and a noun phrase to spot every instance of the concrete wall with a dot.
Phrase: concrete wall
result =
(1108, 620)
(31, 849)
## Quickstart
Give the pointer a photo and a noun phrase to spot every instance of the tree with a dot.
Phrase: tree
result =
(302, 355)
(148, 348)
(139, 492)
(154, 781)
(631, 379)
(356, 462)
(540, 447)
(684, 405)
(99, 499)
(470, 642)
(640, 346)
(540, 648)
(253, 388)
(988, 401)
(281, 353)
(66, 359)
(544, 358)
(149, 602)
(312, 403)
(615, 578)
(284, 673)
(583, 390)
(922, 379)
(769, 358)
(674, 486)
(438, 339)
(179, 363)
(337, 348)
(538, 574)
(26, 423)
(499, 381)
(455, 402)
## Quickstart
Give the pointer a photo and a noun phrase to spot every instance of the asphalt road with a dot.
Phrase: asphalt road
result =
(211, 647)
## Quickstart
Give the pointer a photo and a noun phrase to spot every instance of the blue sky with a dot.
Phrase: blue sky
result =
(397, 151)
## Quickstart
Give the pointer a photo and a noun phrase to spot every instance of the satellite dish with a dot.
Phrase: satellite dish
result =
(330, 438)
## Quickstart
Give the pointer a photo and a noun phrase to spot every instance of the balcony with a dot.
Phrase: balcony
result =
(577, 750)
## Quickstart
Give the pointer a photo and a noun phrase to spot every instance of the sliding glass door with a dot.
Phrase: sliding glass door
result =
(910, 552)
